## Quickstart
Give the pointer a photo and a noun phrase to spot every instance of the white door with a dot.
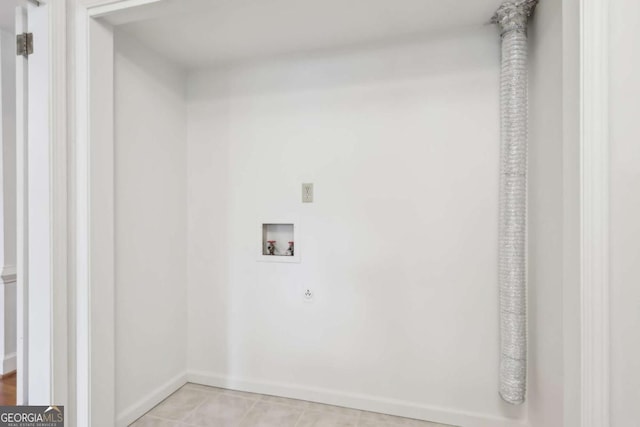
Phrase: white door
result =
(21, 223)
(33, 171)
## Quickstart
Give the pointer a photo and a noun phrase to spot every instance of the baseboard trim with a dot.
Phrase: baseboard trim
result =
(9, 363)
(357, 401)
(9, 374)
(145, 404)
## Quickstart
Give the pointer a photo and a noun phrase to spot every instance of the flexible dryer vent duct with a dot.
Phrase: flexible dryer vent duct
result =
(512, 19)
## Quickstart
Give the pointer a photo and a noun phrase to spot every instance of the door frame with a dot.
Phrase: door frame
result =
(93, 173)
(595, 248)
(94, 269)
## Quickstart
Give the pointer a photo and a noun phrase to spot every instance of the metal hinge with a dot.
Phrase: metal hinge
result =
(24, 44)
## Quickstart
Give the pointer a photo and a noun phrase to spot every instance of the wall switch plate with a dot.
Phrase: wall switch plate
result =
(307, 193)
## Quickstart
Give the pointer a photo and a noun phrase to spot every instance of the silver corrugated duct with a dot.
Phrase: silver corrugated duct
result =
(512, 19)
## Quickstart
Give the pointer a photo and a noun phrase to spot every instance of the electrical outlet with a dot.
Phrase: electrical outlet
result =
(307, 193)
(308, 295)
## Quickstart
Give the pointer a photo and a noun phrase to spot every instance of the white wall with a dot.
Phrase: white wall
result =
(150, 221)
(8, 327)
(402, 143)
(545, 385)
(625, 211)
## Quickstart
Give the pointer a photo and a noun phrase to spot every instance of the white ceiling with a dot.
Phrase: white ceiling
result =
(198, 33)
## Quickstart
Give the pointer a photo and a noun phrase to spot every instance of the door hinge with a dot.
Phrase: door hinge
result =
(24, 44)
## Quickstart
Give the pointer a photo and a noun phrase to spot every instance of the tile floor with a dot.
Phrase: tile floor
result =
(197, 405)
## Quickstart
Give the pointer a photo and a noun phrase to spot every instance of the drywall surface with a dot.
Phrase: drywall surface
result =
(150, 222)
(545, 385)
(401, 141)
(625, 211)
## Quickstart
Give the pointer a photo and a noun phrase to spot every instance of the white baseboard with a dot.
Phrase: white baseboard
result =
(9, 363)
(357, 401)
(144, 405)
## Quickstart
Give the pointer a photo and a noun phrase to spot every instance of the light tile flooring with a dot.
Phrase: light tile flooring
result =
(196, 405)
